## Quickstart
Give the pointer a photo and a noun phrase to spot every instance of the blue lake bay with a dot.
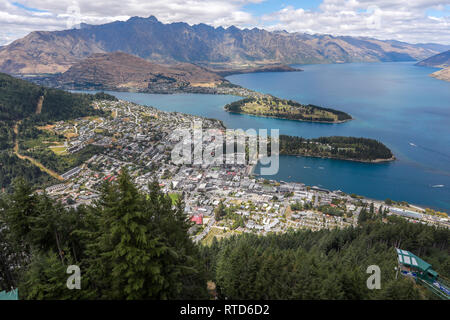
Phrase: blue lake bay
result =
(395, 103)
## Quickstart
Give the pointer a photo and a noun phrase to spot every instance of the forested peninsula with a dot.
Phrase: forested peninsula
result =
(270, 106)
(344, 148)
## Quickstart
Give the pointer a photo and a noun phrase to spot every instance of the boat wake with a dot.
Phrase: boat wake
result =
(430, 150)
(438, 186)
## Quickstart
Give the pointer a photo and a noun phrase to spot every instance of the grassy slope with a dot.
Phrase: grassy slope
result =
(269, 106)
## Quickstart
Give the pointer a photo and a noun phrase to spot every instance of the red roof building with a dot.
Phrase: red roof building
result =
(198, 219)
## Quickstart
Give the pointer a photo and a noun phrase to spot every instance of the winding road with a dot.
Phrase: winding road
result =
(33, 161)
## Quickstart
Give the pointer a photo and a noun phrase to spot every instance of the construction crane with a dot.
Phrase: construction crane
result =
(412, 266)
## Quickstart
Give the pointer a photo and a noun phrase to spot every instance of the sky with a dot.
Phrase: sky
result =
(414, 21)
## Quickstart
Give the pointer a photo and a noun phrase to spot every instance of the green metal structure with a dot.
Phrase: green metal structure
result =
(411, 265)
(11, 295)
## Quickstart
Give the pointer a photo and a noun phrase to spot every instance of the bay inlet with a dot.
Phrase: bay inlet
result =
(395, 103)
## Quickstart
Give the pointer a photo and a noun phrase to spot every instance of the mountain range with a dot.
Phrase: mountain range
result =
(217, 48)
(441, 60)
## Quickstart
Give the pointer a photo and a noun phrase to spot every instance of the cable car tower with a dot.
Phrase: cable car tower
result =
(412, 266)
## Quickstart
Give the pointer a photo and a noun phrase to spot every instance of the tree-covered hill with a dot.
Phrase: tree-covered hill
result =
(19, 99)
(131, 245)
(32, 105)
(325, 264)
(346, 148)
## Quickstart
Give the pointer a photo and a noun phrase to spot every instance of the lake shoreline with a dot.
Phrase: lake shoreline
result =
(385, 101)
(343, 159)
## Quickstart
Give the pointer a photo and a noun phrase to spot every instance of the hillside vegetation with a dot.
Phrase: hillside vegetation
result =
(19, 100)
(132, 245)
(325, 264)
(27, 105)
(270, 106)
(128, 246)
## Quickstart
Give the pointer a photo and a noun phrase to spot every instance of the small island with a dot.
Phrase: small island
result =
(343, 148)
(270, 106)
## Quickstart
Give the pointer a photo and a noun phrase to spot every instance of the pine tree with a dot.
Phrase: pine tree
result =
(142, 250)
(126, 255)
(19, 209)
(220, 211)
(8, 259)
(128, 245)
(400, 289)
(46, 278)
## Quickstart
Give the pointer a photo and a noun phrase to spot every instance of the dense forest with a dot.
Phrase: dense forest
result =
(128, 246)
(324, 264)
(286, 109)
(19, 99)
(12, 167)
(34, 105)
(346, 148)
(131, 245)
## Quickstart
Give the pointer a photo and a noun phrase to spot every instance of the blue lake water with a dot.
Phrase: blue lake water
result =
(395, 103)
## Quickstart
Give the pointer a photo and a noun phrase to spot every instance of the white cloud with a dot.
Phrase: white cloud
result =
(384, 19)
(404, 20)
(16, 22)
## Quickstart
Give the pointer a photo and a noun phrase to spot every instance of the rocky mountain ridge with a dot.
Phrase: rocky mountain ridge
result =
(217, 48)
